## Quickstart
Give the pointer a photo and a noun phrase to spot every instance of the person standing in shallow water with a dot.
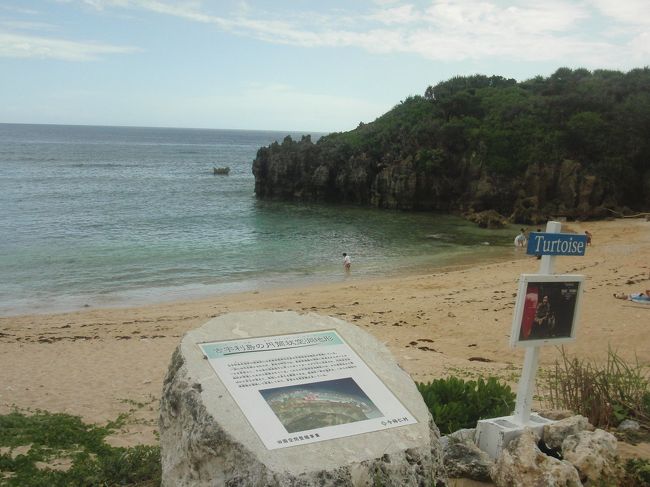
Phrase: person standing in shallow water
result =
(347, 262)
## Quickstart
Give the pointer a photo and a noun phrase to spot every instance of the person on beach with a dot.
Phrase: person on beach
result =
(347, 262)
(588, 234)
(520, 240)
(638, 297)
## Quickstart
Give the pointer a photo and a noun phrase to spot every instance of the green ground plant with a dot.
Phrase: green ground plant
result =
(605, 394)
(31, 445)
(637, 473)
(456, 404)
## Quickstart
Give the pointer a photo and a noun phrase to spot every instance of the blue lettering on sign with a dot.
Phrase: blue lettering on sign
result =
(556, 244)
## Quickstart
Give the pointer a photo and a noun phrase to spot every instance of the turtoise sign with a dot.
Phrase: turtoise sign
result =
(556, 244)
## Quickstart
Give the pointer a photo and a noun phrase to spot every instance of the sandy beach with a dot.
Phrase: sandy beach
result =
(100, 363)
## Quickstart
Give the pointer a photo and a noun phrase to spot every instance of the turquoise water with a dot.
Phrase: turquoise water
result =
(114, 216)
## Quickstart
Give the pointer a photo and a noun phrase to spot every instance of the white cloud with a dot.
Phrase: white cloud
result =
(19, 10)
(446, 30)
(634, 12)
(281, 105)
(404, 14)
(640, 45)
(27, 25)
(26, 46)
(476, 18)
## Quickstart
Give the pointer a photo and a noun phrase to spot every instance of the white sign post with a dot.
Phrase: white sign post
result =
(545, 313)
(527, 380)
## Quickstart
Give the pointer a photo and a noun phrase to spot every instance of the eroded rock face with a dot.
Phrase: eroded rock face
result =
(555, 433)
(466, 460)
(306, 171)
(207, 441)
(523, 463)
(593, 453)
(487, 219)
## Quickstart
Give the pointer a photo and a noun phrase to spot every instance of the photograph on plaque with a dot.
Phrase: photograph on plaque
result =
(319, 404)
(304, 387)
(547, 309)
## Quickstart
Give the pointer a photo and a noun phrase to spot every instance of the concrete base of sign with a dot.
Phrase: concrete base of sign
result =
(207, 441)
(494, 434)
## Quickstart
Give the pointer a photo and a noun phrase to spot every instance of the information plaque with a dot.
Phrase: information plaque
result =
(304, 387)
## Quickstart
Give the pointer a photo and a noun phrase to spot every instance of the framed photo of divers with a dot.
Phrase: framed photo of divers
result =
(547, 309)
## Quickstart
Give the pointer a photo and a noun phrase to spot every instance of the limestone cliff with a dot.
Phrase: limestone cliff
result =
(305, 171)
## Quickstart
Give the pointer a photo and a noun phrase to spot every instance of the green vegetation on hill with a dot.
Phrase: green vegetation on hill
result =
(479, 142)
(600, 119)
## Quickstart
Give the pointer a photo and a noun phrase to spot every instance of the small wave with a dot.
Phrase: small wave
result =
(108, 165)
(437, 236)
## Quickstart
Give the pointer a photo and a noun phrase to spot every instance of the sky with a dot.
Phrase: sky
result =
(322, 66)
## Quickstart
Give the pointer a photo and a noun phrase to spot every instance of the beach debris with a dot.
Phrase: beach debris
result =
(555, 414)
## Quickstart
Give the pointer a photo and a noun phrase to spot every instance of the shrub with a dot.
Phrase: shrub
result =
(606, 394)
(456, 404)
(92, 461)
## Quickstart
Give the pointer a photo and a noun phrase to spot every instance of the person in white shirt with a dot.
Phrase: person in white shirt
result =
(520, 240)
(347, 263)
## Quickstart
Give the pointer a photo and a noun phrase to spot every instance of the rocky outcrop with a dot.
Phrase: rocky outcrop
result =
(330, 172)
(555, 433)
(593, 453)
(523, 463)
(487, 219)
(463, 459)
(570, 453)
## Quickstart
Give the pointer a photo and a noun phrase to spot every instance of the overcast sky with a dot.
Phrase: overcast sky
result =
(286, 65)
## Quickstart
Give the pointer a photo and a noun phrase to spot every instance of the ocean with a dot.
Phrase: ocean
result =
(120, 216)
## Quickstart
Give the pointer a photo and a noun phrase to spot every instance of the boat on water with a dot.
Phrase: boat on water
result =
(224, 171)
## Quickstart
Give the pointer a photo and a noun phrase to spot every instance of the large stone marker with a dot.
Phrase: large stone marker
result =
(282, 399)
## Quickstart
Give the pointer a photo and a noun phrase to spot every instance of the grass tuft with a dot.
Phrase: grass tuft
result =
(606, 394)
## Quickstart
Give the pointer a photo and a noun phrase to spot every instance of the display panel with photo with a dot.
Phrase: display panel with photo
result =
(547, 309)
(304, 388)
